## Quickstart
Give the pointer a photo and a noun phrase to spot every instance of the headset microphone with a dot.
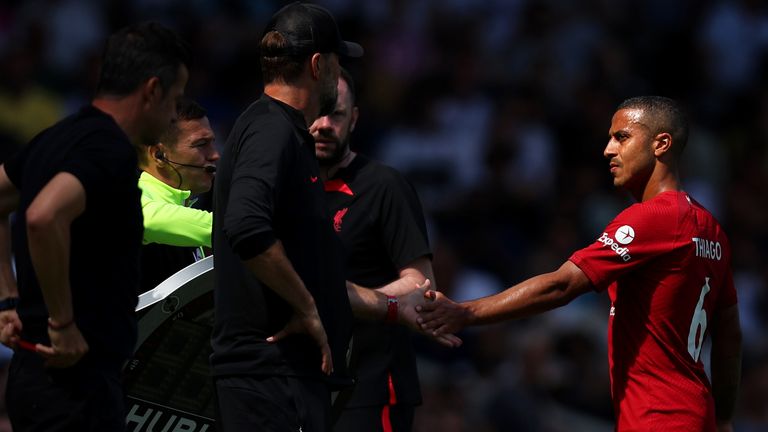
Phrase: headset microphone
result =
(207, 168)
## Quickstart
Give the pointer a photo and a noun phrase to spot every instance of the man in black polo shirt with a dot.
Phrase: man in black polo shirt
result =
(279, 265)
(378, 216)
(76, 238)
(271, 234)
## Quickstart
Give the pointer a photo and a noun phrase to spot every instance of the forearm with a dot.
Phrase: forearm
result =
(535, 295)
(49, 245)
(49, 219)
(9, 202)
(410, 276)
(367, 304)
(274, 270)
(7, 281)
(371, 304)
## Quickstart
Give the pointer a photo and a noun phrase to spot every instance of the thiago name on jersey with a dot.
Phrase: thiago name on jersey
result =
(707, 248)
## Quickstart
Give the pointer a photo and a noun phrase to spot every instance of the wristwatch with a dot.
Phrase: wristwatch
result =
(9, 303)
(391, 317)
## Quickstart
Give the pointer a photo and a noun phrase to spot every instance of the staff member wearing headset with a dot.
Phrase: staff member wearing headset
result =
(180, 166)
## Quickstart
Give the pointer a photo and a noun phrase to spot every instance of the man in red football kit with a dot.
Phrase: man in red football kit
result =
(665, 262)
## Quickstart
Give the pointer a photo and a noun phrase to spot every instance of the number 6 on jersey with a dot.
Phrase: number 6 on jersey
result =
(699, 321)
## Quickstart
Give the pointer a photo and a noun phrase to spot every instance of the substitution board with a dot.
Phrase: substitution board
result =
(168, 383)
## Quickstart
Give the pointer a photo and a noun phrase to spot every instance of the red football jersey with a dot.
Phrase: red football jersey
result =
(666, 265)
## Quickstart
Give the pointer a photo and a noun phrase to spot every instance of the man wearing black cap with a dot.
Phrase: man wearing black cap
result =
(278, 262)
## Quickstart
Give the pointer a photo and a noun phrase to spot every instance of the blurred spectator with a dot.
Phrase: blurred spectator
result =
(26, 107)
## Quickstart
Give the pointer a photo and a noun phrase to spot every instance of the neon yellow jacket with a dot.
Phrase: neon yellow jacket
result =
(168, 220)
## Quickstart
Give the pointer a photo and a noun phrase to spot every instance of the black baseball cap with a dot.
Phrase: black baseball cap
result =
(309, 28)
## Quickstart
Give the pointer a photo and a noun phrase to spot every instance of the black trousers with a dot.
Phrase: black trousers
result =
(82, 398)
(272, 404)
(386, 418)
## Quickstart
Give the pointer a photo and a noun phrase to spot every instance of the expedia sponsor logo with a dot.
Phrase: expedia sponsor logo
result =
(625, 234)
(623, 252)
(707, 248)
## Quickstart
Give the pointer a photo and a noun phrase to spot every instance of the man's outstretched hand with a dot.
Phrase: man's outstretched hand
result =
(441, 316)
(408, 314)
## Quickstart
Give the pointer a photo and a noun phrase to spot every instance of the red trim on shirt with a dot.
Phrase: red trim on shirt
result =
(338, 185)
(386, 423)
(391, 385)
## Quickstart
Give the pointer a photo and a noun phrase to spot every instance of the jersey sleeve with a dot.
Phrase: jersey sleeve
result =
(403, 229)
(636, 236)
(14, 165)
(175, 225)
(94, 160)
(255, 187)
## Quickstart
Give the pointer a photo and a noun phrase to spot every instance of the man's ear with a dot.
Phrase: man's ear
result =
(151, 91)
(146, 155)
(662, 143)
(353, 121)
(315, 65)
(156, 153)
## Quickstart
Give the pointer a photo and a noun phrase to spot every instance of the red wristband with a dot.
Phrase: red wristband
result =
(391, 317)
(59, 326)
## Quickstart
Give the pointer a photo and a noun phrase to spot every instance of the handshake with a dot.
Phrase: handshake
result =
(419, 308)
(430, 313)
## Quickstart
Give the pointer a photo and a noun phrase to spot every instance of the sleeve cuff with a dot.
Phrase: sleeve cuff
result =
(254, 245)
(588, 272)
